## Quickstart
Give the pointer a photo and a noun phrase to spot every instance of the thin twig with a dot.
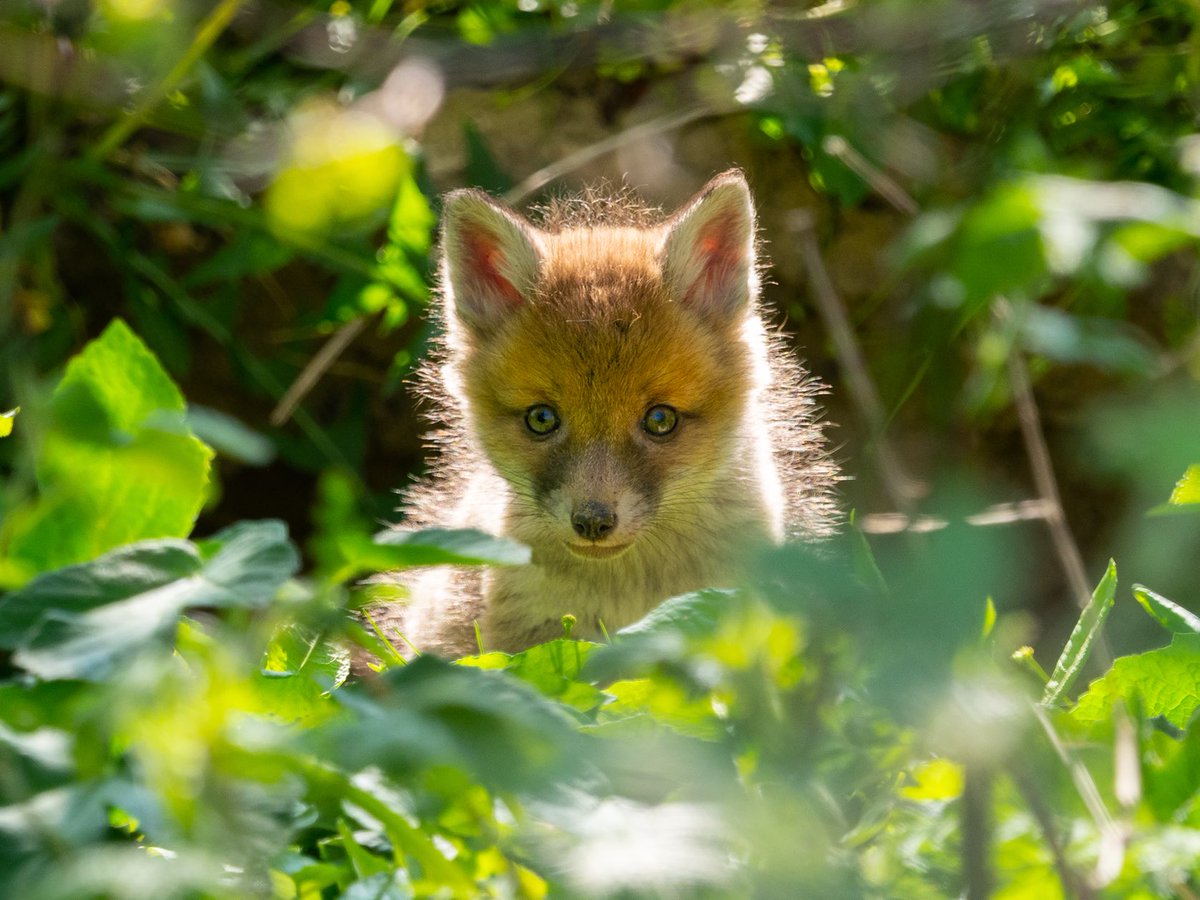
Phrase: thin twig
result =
(976, 832)
(899, 486)
(882, 183)
(1112, 838)
(585, 155)
(1043, 470)
(1073, 884)
(317, 366)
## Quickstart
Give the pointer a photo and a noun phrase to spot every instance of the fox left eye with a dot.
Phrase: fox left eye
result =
(541, 419)
(660, 421)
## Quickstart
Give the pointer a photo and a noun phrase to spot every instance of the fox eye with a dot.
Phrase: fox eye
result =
(660, 421)
(541, 419)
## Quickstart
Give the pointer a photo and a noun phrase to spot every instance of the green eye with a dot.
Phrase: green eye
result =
(660, 421)
(541, 419)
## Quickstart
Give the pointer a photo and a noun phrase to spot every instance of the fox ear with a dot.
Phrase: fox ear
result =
(491, 258)
(708, 252)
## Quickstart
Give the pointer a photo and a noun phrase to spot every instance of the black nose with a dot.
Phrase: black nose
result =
(593, 520)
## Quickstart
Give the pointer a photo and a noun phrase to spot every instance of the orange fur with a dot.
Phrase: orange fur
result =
(601, 324)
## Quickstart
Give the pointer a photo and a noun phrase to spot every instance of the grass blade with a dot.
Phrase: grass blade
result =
(1079, 645)
(1168, 614)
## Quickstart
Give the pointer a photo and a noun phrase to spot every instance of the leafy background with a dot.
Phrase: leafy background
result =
(215, 232)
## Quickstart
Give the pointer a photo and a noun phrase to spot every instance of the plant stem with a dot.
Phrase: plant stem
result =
(210, 29)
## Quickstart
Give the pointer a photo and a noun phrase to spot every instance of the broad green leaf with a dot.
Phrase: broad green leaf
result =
(118, 463)
(299, 671)
(999, 246)
(344, 547)
(1068, 338)
(662, 636)
(554, 668)
(695, 614)
(1187, 489)
(366, 865)
(82, 621)
(664, 702)
(1079, 645)
(36, 760)
(390, 885)
(1171, 774)
(1171, 616)
(1163, 682)
(459, 546)
(432, 713)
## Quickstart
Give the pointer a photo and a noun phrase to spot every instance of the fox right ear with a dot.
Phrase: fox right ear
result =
(491, 258)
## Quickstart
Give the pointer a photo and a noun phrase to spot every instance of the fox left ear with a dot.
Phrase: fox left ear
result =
(490, 259)
(708, 252)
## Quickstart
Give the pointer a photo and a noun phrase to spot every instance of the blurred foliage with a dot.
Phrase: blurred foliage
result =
(214, 194)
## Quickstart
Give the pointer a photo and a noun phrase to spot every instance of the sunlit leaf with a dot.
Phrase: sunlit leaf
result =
(938, 779)
(118, 463)
(1170, 615)
(1187, 489)
(84, 620)
(1079, 646)
(1162, 682)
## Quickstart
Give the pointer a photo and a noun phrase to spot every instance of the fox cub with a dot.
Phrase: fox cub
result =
(611, 398)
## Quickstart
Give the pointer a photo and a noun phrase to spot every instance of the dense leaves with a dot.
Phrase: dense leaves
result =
(239, 198)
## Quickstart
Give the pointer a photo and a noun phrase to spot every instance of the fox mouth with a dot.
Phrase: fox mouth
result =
(597, 551)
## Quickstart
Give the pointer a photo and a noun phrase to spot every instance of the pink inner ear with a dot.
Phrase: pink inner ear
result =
(721, 256)
(485, 258)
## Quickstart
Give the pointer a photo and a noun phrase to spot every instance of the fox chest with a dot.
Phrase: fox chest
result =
(526, 604)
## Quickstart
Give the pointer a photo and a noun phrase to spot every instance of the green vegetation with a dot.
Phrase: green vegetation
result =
(195, 200)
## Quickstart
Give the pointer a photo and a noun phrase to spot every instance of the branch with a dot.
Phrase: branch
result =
(899, 486)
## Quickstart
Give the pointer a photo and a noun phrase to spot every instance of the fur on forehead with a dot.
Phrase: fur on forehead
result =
(602, 250)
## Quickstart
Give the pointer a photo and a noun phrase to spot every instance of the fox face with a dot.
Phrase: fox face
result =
(607, 373)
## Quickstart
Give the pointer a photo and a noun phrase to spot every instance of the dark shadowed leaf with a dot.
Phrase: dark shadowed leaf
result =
(82, 621)
(433, 713)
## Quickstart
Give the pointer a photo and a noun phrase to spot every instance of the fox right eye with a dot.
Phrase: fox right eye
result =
(541, 419)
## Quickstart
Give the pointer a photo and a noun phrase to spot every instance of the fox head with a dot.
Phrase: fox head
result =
(608, 372)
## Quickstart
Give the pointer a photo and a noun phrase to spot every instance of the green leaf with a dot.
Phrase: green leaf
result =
(662, 636)
(118, 463)
(83, 621)
(1070, 339)
(1171, 616)
(695, 614)
(35, 760)
(299, 670)
(457, 546)
(1163, 682)
(554, 668)
(1079, 645)
(1187, 489)
(432, 713)
(1172, 774)
(229, 437)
